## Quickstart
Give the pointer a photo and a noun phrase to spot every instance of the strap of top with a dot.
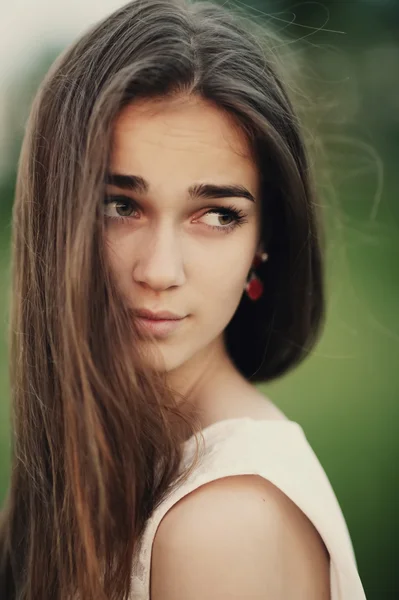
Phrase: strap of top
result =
(278, 451)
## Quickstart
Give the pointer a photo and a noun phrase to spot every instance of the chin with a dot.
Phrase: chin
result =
(163, 358)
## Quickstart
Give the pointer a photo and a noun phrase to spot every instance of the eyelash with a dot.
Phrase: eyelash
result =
(230, 211)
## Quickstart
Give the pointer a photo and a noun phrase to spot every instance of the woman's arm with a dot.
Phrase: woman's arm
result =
(241, 538)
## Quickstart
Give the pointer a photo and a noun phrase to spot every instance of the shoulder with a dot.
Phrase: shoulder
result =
(238, 537)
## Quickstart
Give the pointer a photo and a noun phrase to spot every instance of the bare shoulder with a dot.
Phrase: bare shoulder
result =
(238, 537)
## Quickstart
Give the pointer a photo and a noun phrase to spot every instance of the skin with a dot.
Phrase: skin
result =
(166, 256)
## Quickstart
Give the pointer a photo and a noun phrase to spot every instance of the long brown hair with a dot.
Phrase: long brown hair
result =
(97, 435)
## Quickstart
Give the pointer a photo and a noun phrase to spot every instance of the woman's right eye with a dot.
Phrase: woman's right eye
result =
(125, 208)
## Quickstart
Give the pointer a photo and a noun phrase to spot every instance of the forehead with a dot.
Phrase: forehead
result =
(187, 137)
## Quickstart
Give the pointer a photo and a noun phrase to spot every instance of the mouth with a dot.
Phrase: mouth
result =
(159, 327)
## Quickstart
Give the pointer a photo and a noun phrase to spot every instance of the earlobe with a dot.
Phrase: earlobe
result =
(261, 248)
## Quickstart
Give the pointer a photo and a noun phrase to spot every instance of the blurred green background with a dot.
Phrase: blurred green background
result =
(345, 395)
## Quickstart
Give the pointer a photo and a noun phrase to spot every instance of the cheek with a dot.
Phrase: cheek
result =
(228, 289)
(111, 255)
(222, 293)
(225, 279)
(221, 287)
(117, 258)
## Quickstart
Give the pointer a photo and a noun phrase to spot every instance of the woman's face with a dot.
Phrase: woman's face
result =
(172, 241)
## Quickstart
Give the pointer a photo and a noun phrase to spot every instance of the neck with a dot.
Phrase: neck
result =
(209, 383)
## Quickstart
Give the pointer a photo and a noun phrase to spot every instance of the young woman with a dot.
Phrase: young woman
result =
(166, 257)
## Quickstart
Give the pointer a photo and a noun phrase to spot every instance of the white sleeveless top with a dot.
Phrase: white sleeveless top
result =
(277, 450)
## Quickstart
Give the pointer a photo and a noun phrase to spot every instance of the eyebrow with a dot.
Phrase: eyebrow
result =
(203, 191)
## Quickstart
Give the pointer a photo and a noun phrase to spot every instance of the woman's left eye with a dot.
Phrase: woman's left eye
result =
(127, 206)
(234, 216)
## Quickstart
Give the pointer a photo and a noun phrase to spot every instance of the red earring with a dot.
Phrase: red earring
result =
(254, 287)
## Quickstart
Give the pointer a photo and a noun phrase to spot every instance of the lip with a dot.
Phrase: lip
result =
(159, 327)
(163, 315)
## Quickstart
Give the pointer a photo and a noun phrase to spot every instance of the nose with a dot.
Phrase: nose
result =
(160, 261)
